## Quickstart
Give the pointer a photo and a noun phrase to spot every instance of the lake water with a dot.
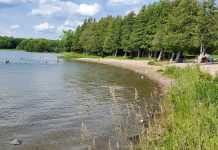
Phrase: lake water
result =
(68, 104)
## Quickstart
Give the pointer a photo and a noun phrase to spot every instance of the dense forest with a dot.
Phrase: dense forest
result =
(9, 42)
(40, 45)
(30, 45)
(165, 28)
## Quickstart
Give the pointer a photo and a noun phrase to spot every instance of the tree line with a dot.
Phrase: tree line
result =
(9, 42)
(167, 28)
(40, 45)
(30, 45)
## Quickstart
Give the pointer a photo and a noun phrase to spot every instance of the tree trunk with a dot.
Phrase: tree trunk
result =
(155, 54)
(115, 54)
(178, 57)
(202, 53)
(204, 50)
(172, 56)
(138, 54)
(131, 54)
(143, 53)
(201, 49)
(149, 55)
(125, 55)
(160, 55)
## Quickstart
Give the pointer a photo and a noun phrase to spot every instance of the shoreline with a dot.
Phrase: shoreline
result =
(137, 66)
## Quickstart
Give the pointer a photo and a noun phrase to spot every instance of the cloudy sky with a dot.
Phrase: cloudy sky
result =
(47, 18)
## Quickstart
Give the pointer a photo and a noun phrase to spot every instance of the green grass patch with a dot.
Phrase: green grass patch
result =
(78, 55)
(154, 63)
(214, 56)
(192, 113)
(125, 58)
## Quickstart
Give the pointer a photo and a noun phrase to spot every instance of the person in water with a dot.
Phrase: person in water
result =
(58, 59)
(7, 61)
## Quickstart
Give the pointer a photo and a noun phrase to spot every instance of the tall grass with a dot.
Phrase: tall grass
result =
(192, 113)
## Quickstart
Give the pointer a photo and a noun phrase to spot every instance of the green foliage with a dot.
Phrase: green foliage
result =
(9, 42)
(171, 71)
(215, 52)
(216, 79)
(127, 30)
(112, 41)
(154, 63)
(40, 45)
(67, 40)
(175, 72)
(78, 55)
(191, 107)
(172, 26)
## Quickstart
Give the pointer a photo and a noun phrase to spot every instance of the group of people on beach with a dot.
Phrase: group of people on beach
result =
(205, 58)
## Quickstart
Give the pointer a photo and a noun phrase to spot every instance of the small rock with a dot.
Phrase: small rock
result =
(16, 142)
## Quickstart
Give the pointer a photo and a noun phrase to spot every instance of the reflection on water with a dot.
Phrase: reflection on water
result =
(46, 104)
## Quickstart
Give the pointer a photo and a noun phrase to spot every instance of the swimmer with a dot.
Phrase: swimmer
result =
(7, 61)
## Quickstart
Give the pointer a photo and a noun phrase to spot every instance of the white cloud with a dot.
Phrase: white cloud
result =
(44, 26)
(9, 2)
(45, 10)
(57, 7)
(15, 26)
(89, 10)
(123, 2)
(69, 25)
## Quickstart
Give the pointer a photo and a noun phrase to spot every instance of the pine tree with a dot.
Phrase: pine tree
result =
(127, 30)
(112, 42)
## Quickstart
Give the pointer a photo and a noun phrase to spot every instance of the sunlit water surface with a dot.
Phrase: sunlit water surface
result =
(45, 105)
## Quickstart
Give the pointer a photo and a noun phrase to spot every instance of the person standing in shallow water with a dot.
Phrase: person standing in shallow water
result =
(58, 59)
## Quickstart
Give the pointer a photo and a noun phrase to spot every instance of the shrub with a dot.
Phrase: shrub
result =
(171, 71)
(215, 52)
(154, 63)
(216, 79)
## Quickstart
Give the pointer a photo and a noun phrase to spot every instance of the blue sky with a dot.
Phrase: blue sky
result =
(47, 18)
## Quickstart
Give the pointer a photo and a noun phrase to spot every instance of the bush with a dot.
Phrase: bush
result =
(216, 79)
(215, 52)
(154, 63)
(171, 71)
